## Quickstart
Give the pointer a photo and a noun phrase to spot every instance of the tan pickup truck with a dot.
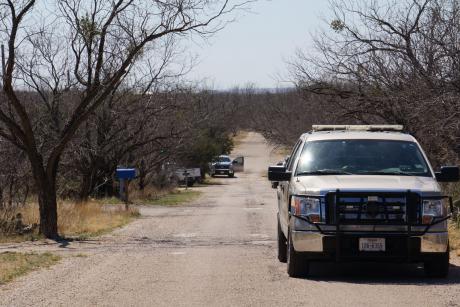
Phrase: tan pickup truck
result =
(361, 193)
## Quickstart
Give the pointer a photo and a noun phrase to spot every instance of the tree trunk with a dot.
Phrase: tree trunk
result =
(46, 189)
(86, 188)
(48, 210)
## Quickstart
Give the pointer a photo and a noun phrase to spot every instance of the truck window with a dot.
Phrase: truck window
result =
(367, 157)
(295, 153)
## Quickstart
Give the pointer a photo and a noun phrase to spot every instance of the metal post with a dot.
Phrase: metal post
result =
(3, 62)
(127, 195)
(186, 173)
(122, 189)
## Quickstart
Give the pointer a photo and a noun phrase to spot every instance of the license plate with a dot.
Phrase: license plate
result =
(372, 244)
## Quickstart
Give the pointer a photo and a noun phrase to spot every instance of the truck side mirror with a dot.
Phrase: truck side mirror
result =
(278, 173)
(448, 174)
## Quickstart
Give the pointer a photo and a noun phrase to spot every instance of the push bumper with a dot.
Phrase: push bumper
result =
(398, 246)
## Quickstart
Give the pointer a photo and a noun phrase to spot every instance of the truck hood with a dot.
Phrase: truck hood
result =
(316, 185)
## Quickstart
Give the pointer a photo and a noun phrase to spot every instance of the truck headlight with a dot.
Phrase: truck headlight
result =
(431, 209)
(307, 207)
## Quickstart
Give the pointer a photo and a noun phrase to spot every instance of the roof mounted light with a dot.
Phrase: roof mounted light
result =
(398, 128)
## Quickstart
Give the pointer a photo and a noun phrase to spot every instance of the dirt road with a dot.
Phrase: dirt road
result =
(219, 251)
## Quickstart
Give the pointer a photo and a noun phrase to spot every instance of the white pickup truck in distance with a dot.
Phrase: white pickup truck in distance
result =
(361, 193)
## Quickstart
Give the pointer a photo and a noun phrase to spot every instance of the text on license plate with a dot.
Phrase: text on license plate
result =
(372, 244)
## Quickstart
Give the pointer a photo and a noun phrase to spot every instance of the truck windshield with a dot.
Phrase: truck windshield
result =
(223, 159)
(366, 157)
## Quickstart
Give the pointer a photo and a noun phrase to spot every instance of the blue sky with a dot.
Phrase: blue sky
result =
(255, 47)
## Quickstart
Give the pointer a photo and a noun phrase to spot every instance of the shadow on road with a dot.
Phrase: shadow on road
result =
(224, 177)
(380, 273)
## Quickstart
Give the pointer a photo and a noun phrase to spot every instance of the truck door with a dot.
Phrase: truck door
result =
(284, 187)
(238, 164)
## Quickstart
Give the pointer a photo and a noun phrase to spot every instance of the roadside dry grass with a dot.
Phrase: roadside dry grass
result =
(149, 193)
(107, 201)
(20, 238)
(173, 198)
(13, 265)
(208, 182)
(91, 219)
(167, 196)
(454, 237)
(100, 216)
(77, 220)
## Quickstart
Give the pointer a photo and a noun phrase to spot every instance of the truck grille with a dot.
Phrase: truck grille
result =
(373, 208)
(220, 166)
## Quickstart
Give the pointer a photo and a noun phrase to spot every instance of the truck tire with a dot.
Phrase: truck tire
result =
(282, 244)
(231, 175)
(438, 266)
(297, 266)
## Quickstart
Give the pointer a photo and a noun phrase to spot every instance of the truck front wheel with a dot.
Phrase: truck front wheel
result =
(297, 266)
(438, 266)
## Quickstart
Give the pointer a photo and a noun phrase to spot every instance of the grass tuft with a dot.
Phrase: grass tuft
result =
(454, 237)
(92, 219)
(208, 182)
(13, 265)
(174, 198)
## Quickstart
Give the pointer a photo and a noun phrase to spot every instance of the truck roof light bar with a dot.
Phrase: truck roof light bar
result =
(398, 128)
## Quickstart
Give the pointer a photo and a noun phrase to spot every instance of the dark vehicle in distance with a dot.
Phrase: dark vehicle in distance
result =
(224, 165)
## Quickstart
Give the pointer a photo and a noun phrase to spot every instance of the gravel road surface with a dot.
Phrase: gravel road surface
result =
(218, 251)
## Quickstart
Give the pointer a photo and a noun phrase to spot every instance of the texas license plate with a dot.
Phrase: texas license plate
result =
(372, 244)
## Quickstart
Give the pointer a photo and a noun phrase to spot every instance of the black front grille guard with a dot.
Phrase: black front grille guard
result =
(408, 234)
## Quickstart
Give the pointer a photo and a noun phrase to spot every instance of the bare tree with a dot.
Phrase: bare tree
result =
(394, 62)
(83, 52)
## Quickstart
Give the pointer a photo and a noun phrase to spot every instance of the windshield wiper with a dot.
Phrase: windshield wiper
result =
(397, 173)
(324, 172)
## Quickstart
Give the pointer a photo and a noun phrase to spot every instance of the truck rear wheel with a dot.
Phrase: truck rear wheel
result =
(438, 266)
(282, 244)
(297, 266)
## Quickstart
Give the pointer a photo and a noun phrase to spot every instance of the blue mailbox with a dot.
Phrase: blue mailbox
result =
(126, 173)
